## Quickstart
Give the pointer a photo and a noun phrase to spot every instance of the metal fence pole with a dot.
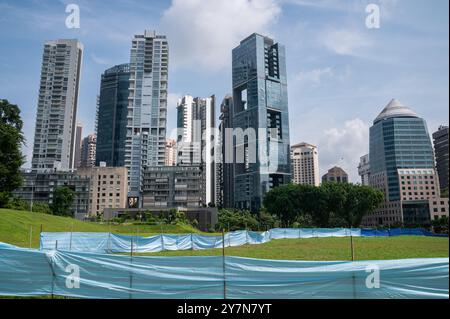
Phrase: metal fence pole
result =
(31, 233)
(352, 248)
(70, 244)
(131, 269)
(108, 243)
(223, 265)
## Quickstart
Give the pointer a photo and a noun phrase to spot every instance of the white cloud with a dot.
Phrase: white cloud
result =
(313, 77)
(346, 42)
(320, 4)
(344, 146)
(100, 60)
(202, 33)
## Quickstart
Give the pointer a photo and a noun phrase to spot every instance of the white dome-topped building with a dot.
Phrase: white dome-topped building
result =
(402, 165)
(395, 109)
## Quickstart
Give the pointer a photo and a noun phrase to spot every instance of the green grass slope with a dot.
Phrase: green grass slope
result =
(333, 249)
(15, 227)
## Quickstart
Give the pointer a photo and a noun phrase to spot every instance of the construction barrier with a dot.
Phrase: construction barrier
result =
(27, 272)
(113, 243)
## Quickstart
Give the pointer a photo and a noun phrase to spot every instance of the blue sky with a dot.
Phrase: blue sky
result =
(340, 73)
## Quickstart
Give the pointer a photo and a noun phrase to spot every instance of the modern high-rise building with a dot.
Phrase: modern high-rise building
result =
(171, 152)
(147, 108)
(195, 141)
(335, 175)
(56, 117)
(402, 166)
(441, 146)
(260, 113)
(305, 164)
(224, 156)
(112, 116)
(78, 137)
(88, 151)
(364, 169)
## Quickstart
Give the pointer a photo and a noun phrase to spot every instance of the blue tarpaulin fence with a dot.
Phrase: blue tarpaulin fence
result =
(27, 272)
(113, 243)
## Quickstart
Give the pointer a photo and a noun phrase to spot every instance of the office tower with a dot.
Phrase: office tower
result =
(402, 166)
(112, 116)
(305, 164)
(147, 109)
(441, 146)
(195, 142)
(336, 175)
(224, 156)
(54, 138)
(364, 169)
(171, 153)
(78, 137)
(88, 150)
(260, 110)
(109, 187)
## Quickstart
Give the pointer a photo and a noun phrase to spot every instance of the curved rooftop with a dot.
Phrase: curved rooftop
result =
(395, 109)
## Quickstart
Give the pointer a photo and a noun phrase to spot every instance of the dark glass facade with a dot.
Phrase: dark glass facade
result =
(441, 151)
(399, 142)
(260, 103)
(112, 116)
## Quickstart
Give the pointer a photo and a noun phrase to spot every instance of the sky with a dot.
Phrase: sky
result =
(341, 74)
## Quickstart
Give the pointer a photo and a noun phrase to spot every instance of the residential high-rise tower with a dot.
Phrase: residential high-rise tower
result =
(195, 142)
(147, 109)
(54, 138)
(305, 164)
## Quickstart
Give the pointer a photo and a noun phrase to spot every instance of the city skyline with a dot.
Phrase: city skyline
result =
(328, 78)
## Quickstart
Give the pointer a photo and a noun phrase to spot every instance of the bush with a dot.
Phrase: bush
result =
(42, 208)
(17, 203)
(440, 226)
(232, 219)
(268, 221)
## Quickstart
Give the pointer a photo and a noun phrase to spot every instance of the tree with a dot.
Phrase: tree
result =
(440, 225)
(11, 158)
(232, 219)
(284, 202)
(332, 204)
(62, 200)
(314, 201)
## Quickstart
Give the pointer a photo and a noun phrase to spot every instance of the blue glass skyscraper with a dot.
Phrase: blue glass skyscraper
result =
(398, 139)
(112, 116)
(402, 165)
(260, 109)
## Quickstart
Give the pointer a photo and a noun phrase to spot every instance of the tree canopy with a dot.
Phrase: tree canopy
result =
(331, 204)
(62, 201)
(11, 158)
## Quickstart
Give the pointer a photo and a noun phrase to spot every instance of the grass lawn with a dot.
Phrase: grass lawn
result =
(15, 227)
(332, 249)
